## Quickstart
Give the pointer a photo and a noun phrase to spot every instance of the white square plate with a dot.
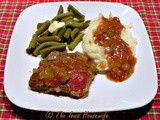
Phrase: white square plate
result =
(104, 95)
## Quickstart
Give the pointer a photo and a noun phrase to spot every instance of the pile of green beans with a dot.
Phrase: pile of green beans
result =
(68, 36)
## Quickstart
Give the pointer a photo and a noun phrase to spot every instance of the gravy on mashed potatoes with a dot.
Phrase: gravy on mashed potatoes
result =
(112, 47)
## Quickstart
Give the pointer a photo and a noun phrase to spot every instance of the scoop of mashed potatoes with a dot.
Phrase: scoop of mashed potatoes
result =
(96, 52)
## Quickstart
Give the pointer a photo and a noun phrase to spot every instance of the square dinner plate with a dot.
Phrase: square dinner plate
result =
(104, 95)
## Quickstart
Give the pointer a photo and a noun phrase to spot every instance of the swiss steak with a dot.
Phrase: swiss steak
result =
(64, 73)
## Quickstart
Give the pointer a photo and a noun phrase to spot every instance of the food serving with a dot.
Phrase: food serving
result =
(64, 73)
(108, 48)
(104, 95)
(112, 46)
(65, 30)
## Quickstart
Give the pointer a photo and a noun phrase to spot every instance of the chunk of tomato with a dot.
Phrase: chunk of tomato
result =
(78, 80)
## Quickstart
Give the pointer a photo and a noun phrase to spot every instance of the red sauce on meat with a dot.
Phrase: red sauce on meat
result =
(57, 72)
(121, 61)
(78, 80)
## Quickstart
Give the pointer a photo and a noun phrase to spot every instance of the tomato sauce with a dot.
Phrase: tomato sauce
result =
(57, 72)
(120, 59)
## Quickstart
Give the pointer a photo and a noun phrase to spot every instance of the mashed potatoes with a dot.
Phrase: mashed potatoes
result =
(96, 52)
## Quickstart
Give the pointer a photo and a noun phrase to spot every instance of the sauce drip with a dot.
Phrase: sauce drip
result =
(120, 59)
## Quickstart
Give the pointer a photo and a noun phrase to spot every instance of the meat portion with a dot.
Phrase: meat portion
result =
(64, 73)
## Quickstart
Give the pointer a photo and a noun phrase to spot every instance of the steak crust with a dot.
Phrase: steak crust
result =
(64, 73)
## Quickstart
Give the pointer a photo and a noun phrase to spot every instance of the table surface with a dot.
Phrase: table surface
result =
(149, 11)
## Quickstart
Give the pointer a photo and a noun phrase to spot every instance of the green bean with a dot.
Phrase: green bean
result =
(44, 52)
(76, 13)
(63, 15)
(74, 32)
(67, 33)
(43, 28)
(77, 20)
(86, 24)
(61, 32)
(48, 38)
(45, 33)
(39, 25)
(75, 42)
(81, 20)
(66, 19)
(74, 24)
(43, 45)
(55, 33)
(60, 10)
(43, 42)
(32, 44)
